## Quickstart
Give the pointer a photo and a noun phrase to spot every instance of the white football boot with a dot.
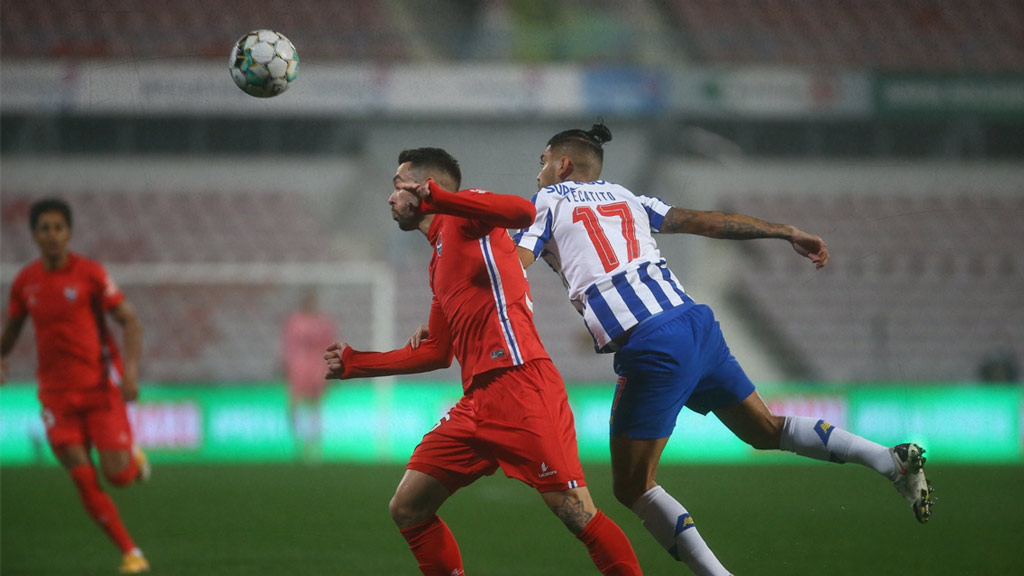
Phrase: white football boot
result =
(911, 483)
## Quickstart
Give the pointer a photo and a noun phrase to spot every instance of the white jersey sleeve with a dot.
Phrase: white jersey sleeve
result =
(601, 236)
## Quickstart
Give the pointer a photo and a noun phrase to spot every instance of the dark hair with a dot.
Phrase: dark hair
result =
(590, 140)
(433, 159)
(48, 205)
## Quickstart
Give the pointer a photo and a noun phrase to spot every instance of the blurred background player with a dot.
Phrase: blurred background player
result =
(304, 335)
(514, 412)
(669, 350)
(83, 383)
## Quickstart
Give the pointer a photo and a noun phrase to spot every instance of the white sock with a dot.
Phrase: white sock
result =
(820, 440)
(673, 528)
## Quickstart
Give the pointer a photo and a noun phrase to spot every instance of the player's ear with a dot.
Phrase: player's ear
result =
(565, 168)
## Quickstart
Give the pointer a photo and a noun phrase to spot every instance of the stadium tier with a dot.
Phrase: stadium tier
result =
(944, 35)
(179, 227)
(919, 288)
(350, 30)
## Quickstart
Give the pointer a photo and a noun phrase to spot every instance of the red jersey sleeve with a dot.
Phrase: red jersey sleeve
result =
(496, 210)
(434, 353)
(110, 294)
(16, 307)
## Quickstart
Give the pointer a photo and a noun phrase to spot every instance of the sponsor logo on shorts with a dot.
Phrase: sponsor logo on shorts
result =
(544, 472)
(497, 354)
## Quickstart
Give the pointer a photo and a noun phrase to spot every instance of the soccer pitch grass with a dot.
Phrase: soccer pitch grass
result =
(333, 519)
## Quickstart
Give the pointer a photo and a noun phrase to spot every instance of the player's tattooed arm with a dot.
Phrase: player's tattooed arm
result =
(722, 225)
(729, 226)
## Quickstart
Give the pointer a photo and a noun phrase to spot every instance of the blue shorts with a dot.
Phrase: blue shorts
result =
(674, 359)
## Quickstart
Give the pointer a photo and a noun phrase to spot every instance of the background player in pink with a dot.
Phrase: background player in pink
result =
(83, 383)
(669, 350)
(303, 336)
(514, 412)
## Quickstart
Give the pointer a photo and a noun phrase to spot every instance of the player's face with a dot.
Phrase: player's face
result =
(548, 174)
(52, 235)
(403, 203)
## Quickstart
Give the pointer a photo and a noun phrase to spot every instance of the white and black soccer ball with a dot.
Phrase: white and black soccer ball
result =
(264, 63)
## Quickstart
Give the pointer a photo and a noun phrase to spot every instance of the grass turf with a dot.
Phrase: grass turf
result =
(332, 519)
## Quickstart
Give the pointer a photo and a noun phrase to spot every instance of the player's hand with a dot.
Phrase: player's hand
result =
(335, 366)
(129, 388)
(810, 246)
(421, 190)
(418, 336)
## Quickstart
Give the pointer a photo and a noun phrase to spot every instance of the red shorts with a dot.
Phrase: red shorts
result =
(516, 418)
(93, 417)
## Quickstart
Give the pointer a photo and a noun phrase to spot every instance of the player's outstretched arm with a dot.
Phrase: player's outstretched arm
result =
(430, 353)
(729, 226)
(8, 338)
(124, 314)
(498, 210)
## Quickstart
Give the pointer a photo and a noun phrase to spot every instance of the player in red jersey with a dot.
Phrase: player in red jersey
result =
(83, 382)
(514, 413)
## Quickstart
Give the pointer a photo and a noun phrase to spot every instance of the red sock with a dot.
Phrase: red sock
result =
(435, 548)
(100, 506)
(609, 548)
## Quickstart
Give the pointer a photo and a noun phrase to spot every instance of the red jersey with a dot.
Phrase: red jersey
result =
(481, 310)
(74, 347)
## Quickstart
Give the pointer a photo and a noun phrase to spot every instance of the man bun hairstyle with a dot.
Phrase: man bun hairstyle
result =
(436, 159)
(39, 207)
(590, 140)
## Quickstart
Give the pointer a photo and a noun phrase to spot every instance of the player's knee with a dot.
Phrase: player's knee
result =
(768, 435)
(405, 514)
(122, 477)
(628, 490)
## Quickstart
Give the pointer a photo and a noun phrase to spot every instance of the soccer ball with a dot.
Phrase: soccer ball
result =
(264, 63)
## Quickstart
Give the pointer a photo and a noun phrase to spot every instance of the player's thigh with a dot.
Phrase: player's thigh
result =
(723, 382)
(66, 430)
(526, 422)
(110, 432)
(657, 374)
(450, 453)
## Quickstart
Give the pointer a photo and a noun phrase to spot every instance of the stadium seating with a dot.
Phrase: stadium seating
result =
(180, 227)
(199, 331)
(941, 35)
(357, 30)
(947, 35)
(920, 288)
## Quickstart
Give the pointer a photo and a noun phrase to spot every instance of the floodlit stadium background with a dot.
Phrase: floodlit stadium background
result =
(892, 129)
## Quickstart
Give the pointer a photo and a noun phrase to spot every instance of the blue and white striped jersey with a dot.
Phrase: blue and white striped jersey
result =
(599, 237)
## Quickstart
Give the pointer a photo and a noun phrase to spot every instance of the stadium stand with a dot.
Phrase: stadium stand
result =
(921, 35)
(180, 227)
(357, 30)
(198, 331)
(921, 288)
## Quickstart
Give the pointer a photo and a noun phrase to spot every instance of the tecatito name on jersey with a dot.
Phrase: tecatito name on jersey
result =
(73, 344)
(599, 237)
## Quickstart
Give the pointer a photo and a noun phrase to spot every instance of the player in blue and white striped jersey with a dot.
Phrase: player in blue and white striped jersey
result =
(669, 350)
